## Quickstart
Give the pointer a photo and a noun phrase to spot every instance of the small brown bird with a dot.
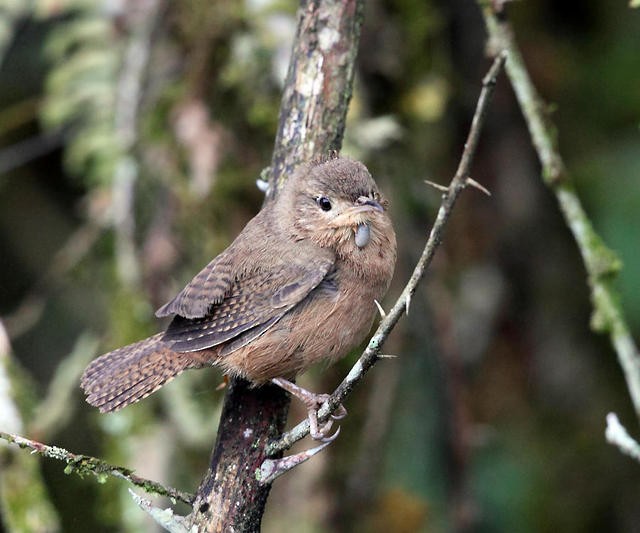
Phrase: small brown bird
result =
(296, 287)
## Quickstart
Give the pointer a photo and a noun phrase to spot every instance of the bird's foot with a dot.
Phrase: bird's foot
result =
(313, 402)
(273, 468)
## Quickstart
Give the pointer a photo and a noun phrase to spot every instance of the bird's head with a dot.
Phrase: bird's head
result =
(335, 203)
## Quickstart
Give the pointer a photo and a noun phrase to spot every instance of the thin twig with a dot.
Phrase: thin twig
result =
(601, 263)
(166, 518)
(371, 352)
(85, 464)
(617, 435)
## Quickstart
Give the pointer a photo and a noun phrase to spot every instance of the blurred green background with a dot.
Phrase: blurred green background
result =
(131, 137)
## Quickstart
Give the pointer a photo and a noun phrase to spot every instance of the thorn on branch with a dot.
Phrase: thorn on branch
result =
(473, 183)
(380, 309)
(437, 186)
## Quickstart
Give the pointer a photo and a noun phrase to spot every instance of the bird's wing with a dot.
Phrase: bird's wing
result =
(255, 302)
(213, 283)
(209, 287)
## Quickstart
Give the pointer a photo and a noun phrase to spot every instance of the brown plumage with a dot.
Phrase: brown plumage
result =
(297, 286)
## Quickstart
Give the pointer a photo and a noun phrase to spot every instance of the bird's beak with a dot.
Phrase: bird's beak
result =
(350, 216)
(365, 201)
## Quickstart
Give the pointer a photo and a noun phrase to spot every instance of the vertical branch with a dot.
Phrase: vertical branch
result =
(318, 86)
(312, 116)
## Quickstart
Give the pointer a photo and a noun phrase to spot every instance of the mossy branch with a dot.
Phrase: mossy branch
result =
(601, 263)
(87, 465)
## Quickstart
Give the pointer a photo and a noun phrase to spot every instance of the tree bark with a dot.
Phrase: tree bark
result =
(312, 118)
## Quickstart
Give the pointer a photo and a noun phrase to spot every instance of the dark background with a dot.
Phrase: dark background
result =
(492, 416)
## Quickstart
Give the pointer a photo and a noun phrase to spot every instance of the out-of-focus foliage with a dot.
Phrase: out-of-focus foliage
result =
(81, 90)
(131, 136)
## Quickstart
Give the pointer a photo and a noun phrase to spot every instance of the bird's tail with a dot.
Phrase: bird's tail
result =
(126, 375)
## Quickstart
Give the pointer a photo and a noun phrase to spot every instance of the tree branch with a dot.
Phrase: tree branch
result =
(313, 111)
(601, 263)
(312, 116)
(318, 89)
(371, 353)
(85, 464)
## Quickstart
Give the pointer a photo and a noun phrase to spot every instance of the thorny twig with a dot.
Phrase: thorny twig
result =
(85, 464)
(371, 352)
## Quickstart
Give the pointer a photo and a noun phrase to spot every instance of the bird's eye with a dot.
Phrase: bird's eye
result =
(324, 203)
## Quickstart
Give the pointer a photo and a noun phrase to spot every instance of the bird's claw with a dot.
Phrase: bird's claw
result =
(321, 433)
(273, 468)
(339, 413)
(313, 402)
(322, 436)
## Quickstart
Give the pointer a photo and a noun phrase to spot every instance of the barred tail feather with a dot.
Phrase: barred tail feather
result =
(126, 375)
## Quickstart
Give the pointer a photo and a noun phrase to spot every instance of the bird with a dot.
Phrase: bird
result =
(298, 286)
